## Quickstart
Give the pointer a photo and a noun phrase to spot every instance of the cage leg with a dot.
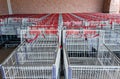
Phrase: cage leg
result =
(2, 72)
(69, 73)
(54, 72)
(17, 59)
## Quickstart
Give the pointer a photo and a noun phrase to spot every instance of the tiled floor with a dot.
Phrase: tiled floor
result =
(4, 53)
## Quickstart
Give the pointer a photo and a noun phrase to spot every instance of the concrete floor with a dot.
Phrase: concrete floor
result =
(4, 53)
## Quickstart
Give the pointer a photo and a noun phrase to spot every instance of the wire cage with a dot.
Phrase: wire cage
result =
(105, 65)
(41, 37)
(29, 21)
(82, 40)
(32, 20)
(14, 20)
(37, 57)
(9, 30)
(80, 62)
(26, 63)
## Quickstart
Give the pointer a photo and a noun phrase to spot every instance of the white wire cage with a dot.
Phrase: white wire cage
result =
(80, 62)
(105, 65)
(41, 37)
(9, 30)
(39, 64)
(82, 42)
(27, 21)
(38, 56)
(14, 20)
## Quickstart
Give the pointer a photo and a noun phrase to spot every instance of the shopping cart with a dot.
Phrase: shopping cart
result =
(85, 61)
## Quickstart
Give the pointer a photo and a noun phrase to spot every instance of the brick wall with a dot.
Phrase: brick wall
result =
(3, 7)
(56, 6)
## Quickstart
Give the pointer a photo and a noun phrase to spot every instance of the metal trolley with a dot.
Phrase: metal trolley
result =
(82, 62)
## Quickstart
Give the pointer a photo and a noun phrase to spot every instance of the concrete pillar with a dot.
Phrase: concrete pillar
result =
(9, 6)
(114, 6)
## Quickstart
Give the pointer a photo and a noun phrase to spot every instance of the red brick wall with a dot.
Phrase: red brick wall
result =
(3, 7)
(56, 6)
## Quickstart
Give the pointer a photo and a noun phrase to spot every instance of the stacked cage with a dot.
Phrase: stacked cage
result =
(37, 57)
(12, 24)
(87, 57)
